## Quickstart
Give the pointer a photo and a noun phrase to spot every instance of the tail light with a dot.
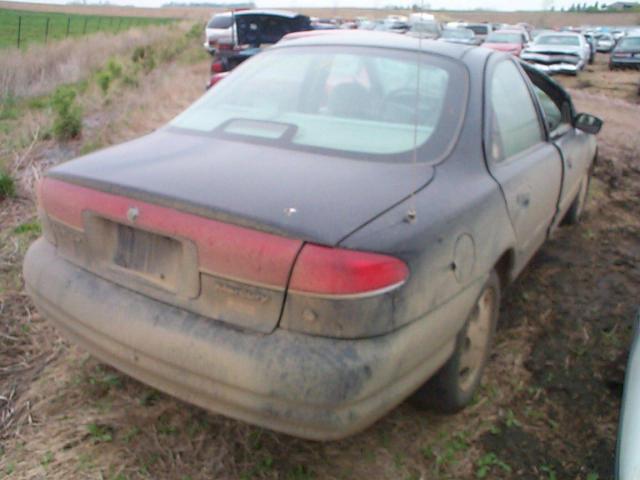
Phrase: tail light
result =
(338, 272)
(224, 46)
(217, 67)
(212, 43)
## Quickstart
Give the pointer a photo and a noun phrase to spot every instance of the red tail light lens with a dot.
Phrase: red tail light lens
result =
(333, 271)
(225, 46)
(217, 67)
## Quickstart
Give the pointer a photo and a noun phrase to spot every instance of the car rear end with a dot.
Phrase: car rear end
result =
(626, 54)
(205, 259)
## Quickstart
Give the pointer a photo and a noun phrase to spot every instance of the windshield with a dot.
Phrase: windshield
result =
(629, 43)
(478, 29)
(504, 38)
(220, 21)
(457, 33)
(571, 40)
(354, 100)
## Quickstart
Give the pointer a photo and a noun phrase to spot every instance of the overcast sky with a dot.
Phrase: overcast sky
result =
(440, 4)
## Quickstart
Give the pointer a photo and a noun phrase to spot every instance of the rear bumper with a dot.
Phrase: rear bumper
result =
(630, 62)
(311, 387)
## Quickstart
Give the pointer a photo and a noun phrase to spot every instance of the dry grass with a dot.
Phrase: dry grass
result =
(42, 68)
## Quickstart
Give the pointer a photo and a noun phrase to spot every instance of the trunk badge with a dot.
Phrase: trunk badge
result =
(132, 214)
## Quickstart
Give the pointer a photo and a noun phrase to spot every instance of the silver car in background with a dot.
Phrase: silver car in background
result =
(558, 52)
(219, 27)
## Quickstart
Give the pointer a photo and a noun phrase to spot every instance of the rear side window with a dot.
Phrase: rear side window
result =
(220, 21)
(552, 113)
(514, 121)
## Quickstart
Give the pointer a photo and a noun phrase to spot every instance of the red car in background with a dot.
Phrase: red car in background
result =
(510, 41)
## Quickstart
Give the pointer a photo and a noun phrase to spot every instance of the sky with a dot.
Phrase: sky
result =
(437, 4)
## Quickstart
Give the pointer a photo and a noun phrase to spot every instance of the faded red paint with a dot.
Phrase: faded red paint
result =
(223, 249)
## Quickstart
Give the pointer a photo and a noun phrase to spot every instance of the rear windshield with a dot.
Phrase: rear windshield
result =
(571, 40)
(630, 43)
(220, 21)
(478, 29)
(458, 33)
(504, 38)
(352, 100)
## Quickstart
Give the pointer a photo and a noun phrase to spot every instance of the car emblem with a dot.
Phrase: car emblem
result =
(132, 214)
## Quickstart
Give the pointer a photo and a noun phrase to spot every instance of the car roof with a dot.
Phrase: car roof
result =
(560, 34)
(277, 13)
(380, 40)
(509, 30)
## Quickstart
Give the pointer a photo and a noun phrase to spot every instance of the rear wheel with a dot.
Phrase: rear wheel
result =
(453, 386)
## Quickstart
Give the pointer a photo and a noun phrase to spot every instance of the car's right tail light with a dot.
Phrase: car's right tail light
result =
(343, 293)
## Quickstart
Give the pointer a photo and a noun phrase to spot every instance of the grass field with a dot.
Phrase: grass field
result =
(39, 27)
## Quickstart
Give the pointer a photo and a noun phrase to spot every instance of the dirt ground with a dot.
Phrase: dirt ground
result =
(548, 408)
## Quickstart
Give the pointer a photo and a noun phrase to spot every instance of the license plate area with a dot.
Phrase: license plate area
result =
(140, 258)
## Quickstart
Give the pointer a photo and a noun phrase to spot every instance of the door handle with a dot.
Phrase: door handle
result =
(523, 199)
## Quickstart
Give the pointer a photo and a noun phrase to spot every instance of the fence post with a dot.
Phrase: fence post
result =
(68, 25)
(99, 22)
(19, 28)
(119, 23)
(46, 31)
(84, 29)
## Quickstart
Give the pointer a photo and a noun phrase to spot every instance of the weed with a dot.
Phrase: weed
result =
(300, 472)
(47, 458)
(511, 420)
(593, 476)
(149, 397)
(100, 433)
(68, 122)
(104, 81)
(8, 108)
(7, 185)
(11, 468)
(487, 462)
(130, 434)
(551, 473)
(32, 227)
(114, 68)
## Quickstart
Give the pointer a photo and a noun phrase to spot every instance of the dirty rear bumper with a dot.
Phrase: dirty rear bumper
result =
(311, 387)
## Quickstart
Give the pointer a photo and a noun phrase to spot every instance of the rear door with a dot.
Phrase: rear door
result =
(525, 164)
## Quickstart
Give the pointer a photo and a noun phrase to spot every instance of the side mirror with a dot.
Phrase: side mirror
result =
(588, 123)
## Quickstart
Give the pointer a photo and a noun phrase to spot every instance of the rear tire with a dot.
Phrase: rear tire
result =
(452, 388)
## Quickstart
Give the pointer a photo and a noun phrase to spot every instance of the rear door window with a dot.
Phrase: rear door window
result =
(515, 126)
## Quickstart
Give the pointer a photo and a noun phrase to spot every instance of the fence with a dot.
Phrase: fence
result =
(22, 29)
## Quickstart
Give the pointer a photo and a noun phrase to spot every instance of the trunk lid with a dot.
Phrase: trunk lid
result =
(210, 225)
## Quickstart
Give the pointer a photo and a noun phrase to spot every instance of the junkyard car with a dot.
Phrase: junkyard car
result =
(605, 42)
(627, 458)
(219, 27)
(558, 52)
(509, 41)
(321, 235)
(253, 31)
(463, 36)
(626, 54)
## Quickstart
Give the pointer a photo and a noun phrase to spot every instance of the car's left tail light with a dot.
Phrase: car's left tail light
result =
(335, 272)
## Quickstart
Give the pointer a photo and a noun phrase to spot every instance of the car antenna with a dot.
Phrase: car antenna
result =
(412, 214)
